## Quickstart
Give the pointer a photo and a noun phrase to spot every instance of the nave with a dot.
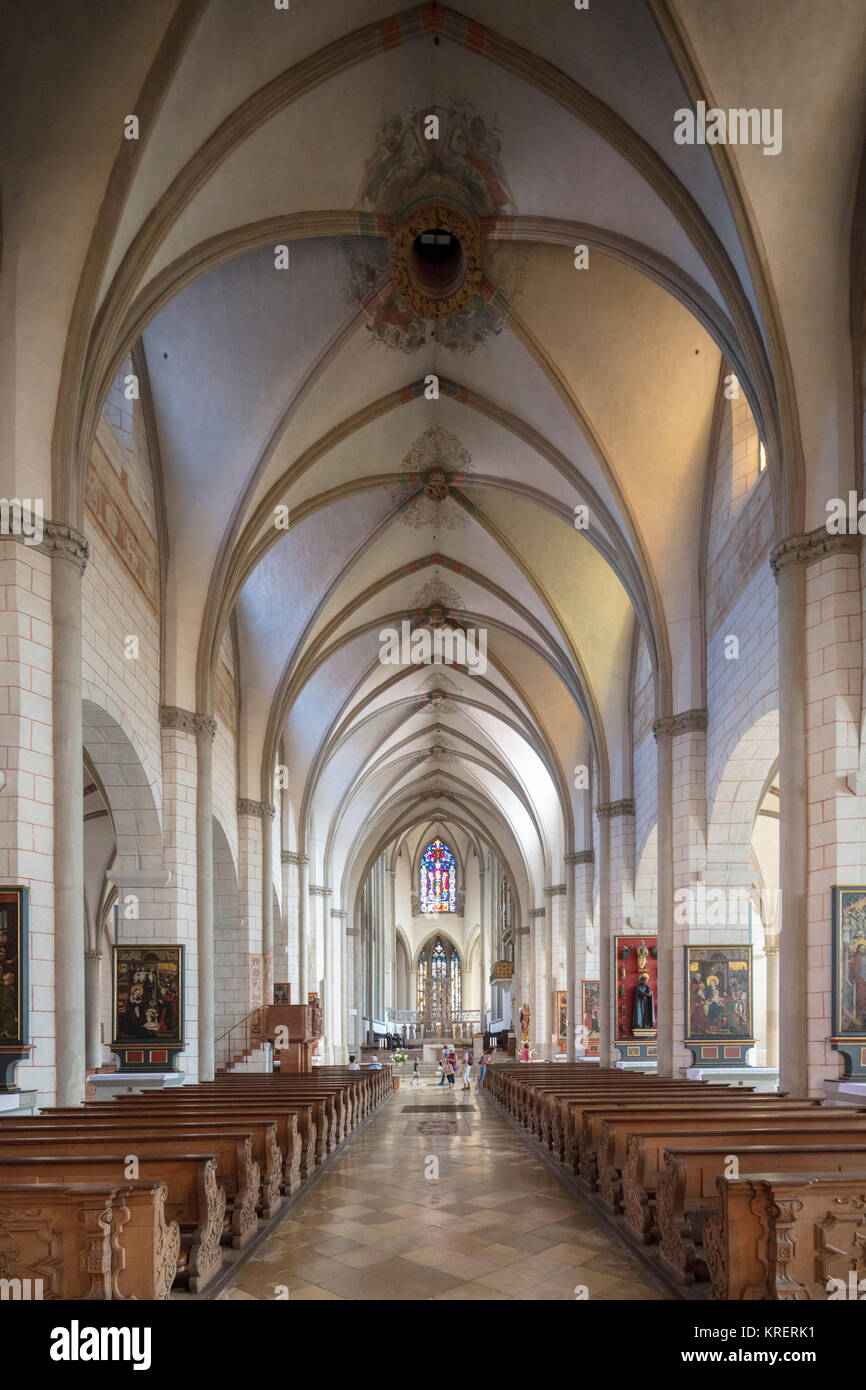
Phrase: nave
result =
(432, 612)
(495, 1224)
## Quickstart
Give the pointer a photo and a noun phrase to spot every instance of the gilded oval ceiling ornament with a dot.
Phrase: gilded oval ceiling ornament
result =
(437, 285)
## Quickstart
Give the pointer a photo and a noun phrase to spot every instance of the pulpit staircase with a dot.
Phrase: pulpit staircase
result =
(241, 1048)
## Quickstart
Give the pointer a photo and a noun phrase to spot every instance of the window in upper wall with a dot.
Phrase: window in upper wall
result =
(438, 886)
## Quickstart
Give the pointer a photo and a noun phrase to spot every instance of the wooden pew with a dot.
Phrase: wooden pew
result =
(603, 1139)
(326, 1105)
(280, 1162)
(96, 1240)
(785, 1235)
(237, 1170)
(266, 1151)
(644, 1163)
(579, 1126)
(194, 1199)
(548, 1110)
(687, 1192)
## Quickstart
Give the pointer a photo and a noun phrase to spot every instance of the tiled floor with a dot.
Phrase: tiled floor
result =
(495, 1224)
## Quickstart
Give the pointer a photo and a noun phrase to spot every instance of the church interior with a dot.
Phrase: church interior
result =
(431, 687)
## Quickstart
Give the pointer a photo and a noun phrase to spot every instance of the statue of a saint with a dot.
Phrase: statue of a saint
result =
(524, 1023)
(643, 1013)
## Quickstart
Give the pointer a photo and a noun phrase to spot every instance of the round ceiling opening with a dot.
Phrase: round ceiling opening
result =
(437, 260)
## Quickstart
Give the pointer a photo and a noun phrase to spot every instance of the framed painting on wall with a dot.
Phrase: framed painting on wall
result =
(718, 1003)
(14, 957)
(562, 1020)
(589, 1011)
(848, 921)
(148, 1011)
(282, 993)
(635, 961)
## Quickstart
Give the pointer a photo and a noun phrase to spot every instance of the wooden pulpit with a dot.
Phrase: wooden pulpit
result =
(294, 1030)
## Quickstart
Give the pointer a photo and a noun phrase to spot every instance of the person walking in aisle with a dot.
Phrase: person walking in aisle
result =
(468, 1059)
(416, 1075)
(485, 1063)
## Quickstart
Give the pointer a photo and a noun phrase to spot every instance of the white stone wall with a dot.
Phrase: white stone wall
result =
(26, 800)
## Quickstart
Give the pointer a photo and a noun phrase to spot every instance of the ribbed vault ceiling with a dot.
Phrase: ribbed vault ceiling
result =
(303, 389)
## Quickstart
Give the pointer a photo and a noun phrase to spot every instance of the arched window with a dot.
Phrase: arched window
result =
(438, 888)
(439, 986)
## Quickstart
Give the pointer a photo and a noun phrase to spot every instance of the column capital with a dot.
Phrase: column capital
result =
(173, 717)
(353, 931)
(690, 721)
(290, 856)
(261, 809)
(339, 912)
(319, 890)
(93, 955)
(524, 931)
(63, 542)
(807, 547)
(610, 809)
(538, 912)
(556, 890)
(581, 856)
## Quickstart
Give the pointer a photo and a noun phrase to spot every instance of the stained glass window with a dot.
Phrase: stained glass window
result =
(439, 961)
(455, 981)
(438, 879)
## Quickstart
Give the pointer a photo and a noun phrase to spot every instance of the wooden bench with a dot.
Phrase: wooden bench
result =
(578, 1128)
(280, 1164)
(603, 1138)
(645, 1161)
(687, 1193)
(195, 1200)
(95, 1240)
(237, 1170)
(547, 1107)
(326, 1105)
(786, 1235)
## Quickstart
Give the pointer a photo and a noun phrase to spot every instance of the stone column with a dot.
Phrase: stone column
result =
(686, 735)
(556, 932)
(788, 562)
(663, 731)
(268, 813)
(251, 830)
(538, 987)
(205, 732)
(572, 1002)
(356, 935)
(606, 996)
(303, 927)
(68, 550)
(341, 1030)
(771, 954)
(185, 903)
(292, 864)
(93, 1009)
(483, 880)
(391, 940)
(584, 933)
(618, 816)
